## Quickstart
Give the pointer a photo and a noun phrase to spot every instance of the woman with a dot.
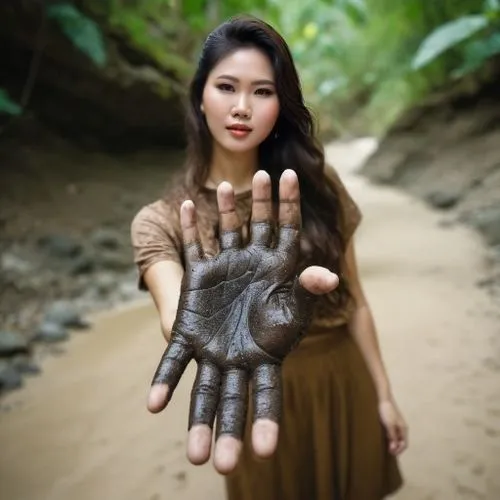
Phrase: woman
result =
(341, 429)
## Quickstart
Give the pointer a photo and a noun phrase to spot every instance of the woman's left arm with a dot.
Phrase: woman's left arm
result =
(362, 328)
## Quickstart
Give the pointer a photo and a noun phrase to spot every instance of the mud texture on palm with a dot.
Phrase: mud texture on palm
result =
(240, 313)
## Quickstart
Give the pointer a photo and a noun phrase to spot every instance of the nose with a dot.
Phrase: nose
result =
(242, 108)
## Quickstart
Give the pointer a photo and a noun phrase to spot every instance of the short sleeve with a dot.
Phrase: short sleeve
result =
(351, 215)
(155, 235)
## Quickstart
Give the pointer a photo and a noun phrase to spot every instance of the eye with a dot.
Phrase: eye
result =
(225, 87)
(264, 92)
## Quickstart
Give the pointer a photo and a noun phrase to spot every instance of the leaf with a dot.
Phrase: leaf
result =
(83, 32)
(476, 53)
(447, 36)
(491, 6)
(355, 10)
(7, 105)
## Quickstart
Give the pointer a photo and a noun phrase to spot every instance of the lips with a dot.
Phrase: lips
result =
(240, 127)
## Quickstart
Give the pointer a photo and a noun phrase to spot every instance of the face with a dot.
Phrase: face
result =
(240, 101)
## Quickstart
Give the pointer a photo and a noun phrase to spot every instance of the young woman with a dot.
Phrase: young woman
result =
(341, 430)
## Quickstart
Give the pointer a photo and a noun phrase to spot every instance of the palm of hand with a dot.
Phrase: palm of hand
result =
(238, 310)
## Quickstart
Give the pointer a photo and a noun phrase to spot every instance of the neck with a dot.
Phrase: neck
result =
(236, 168)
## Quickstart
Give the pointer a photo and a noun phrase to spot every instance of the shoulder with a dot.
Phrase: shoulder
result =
(162, 214)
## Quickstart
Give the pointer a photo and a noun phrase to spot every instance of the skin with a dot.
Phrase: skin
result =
(244, 98)
(239, 315)
(240, 89)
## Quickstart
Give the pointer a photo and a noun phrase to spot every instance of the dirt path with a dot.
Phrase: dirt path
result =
(81, 430)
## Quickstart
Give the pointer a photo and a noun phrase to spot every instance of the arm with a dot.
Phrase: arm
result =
(362, 328)
(163, 280)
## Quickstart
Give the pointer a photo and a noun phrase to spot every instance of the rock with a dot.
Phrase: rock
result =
(23, 364)
(114, 261)
(83, 264)
(134, 100)
(129, 290)
(51, 332)
(60, 246)
(11, 263)
(106, 238)
(443, 199)
(12, 343)
(10, 378)
(487, 222)
(64, 313)
(105, 282)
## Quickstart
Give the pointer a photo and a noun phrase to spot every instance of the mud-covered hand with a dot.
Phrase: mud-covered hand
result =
(240, 313)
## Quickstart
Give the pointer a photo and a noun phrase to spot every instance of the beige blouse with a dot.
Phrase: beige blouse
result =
(156, 234)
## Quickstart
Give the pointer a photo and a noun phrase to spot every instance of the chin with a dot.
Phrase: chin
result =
(239, 147)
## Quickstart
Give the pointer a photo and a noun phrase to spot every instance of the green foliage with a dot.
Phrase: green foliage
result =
(362, 62)
(81, 30)
(480, 31)
(355, 56)
(7, 105)
(447, 36)
(476, 53)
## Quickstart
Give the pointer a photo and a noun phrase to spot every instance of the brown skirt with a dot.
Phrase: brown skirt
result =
(331, 445)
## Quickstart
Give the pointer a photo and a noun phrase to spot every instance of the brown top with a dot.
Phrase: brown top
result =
(156, 234)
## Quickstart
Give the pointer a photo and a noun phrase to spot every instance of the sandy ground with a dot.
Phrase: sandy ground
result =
(80, 431)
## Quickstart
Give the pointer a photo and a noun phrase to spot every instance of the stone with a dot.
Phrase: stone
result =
(114, 261)
(443, 199)
(24, 365)
(106, 238)
(60, 246)
(83, 264)
(12, 343)
(10, 378)
(11, 263)
(105, 282)
(487, 222)
(51, 332)
(64, 313)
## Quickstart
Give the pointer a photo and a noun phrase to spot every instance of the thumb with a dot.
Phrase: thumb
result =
(318, 280)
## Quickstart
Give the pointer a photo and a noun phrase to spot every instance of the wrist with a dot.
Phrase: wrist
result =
(384, 393)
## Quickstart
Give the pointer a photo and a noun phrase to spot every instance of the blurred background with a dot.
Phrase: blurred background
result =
(406, 93)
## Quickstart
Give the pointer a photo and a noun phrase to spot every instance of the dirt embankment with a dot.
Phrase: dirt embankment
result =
(447, 152)
(65, 247)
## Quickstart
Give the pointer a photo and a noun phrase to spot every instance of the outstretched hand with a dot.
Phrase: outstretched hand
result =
(239, 314)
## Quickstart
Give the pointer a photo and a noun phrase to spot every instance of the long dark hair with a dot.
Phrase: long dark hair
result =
(292, 143)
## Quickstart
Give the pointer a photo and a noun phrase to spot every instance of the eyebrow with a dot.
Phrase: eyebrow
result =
(256, 82)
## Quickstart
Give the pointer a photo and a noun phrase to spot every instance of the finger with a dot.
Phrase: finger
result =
(262, 209)
(192, 246)
(318, 280)
(230, 226)
(289, 212)
(392, 437)
(402, 439)
(170, 369)
(204, 398)
(227, 453)
(267, 392)
(231, 417)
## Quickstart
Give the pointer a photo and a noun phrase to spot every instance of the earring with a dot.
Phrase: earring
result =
(202, 108)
